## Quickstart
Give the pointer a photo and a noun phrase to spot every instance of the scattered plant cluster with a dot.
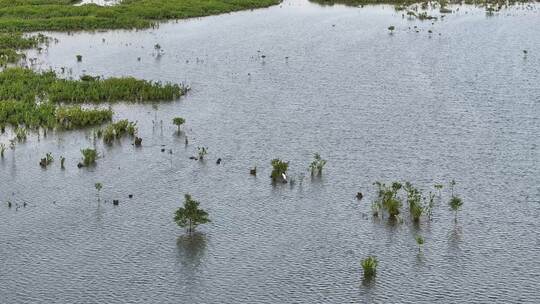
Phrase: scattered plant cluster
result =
(118, 129)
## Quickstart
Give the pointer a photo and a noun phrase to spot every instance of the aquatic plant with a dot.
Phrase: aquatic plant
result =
(98, 187)
(429, 203)
(27, 85)
(118, 129)
(31, 99)
(419, 241)
(388, 199)
(452, 185)
(47, 160)
(317, 165)
(202, 151)
(178, 121)
(279, 170)
(75, 117)
(414, 198)
(89, 156)
(455, 204)
(190, 215)
(439, 188)
(21, 134)
(375, 208)
(369, 265)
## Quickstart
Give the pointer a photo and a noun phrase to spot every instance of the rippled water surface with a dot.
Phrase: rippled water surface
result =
(462, 102)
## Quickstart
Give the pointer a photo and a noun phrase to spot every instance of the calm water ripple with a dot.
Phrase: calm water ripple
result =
(421, 107)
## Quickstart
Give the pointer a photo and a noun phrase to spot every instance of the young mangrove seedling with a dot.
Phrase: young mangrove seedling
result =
(98, 187)
(419, 241)
(62, 160)
(317, 165)
(375, 209)
(79, 58)
(455, 201)
(202, 151)
(452, 184)
(455, 204)
(388, 199)
(178, 121)
(279, 170)
(439, 188)
(89, 157)
(2, 149)
(47, 160)
(20, 134)
(369, 265)
(190, 215)
(391, 28)
(429, 203)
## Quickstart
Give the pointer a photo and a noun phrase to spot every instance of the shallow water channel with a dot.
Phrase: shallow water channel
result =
(461, 102)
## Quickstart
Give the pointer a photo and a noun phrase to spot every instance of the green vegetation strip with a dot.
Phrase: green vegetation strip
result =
(62, 15)
(32, 99)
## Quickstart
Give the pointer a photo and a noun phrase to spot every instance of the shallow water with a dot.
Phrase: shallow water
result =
(421, 107)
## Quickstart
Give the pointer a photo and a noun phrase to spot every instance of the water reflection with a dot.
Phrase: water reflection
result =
(455, 238)
(191, 249)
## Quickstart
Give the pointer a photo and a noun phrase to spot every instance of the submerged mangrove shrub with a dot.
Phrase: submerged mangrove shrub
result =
(414, 198)
(47, 160)
(118, 129)
(12, 42)
(202, 151)
(26, 85)
(89, 156)
(419, 241)
(178, 121)
(75, 117)
(21, 89)
(98, 187)
(190, 215)
(317, 165)
(387, 198)
(279, 170)
(21, 134)
(369, 265)
(455, 201)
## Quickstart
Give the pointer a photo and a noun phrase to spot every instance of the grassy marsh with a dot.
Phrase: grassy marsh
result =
(36, 99)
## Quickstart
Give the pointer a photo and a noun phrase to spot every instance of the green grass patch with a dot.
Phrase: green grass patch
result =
(33, 99)
(28, 85)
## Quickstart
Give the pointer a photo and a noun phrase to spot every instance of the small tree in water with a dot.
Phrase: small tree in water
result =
(369, 265)
(202, 151)
(98, 187)
(178, 121)
(455, 205)
(317, 165)
(89, 156)
(279, 170)
(420, 241)
(190, 216)
(455, 201)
